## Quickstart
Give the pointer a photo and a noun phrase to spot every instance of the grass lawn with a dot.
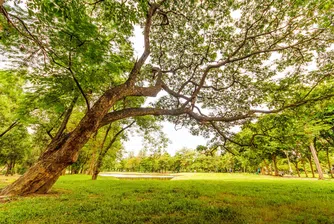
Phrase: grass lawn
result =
(189, 198)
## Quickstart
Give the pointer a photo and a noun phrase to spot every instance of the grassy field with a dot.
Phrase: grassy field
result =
(189, 198)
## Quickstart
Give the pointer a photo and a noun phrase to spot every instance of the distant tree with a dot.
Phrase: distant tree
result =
(14, 146)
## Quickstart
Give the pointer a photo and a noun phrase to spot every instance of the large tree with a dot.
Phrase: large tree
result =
(227, 57)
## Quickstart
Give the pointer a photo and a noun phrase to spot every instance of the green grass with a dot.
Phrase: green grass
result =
(190, 198)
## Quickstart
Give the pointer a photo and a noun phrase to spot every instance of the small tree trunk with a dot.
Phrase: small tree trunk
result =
(316, 161)
(275, 164)
(329, 163)
(267, 167)
(97, 167)
(103, 152)
(297, 169)
(304, 168)
(311, 166)
(92, 161)
(9, 168)
(11, 126)
(287, 156)
(13, 167)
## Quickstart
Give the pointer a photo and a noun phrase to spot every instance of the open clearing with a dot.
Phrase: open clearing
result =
(188, 198)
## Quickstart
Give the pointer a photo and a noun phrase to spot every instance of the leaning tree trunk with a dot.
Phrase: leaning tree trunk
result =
(316, 161)
(61, 152)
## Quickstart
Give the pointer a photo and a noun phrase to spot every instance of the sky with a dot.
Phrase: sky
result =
(179, 139)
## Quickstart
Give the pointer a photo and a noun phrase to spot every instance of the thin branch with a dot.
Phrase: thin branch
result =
(16, 122)
(105, 136)
(75, 79)
(112, 141)
(66, 118)
(147, 50)
(224, 136)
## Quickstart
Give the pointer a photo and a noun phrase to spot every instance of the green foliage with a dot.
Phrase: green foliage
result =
(11, 96)
(14, 147)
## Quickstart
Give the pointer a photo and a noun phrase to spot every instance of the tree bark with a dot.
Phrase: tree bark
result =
(316, 161)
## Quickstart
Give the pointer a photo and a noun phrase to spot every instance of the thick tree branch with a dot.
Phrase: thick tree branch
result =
(133, 112)
(147, 50)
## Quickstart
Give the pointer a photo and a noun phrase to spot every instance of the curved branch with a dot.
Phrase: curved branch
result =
(147, 50)
(134, 112)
